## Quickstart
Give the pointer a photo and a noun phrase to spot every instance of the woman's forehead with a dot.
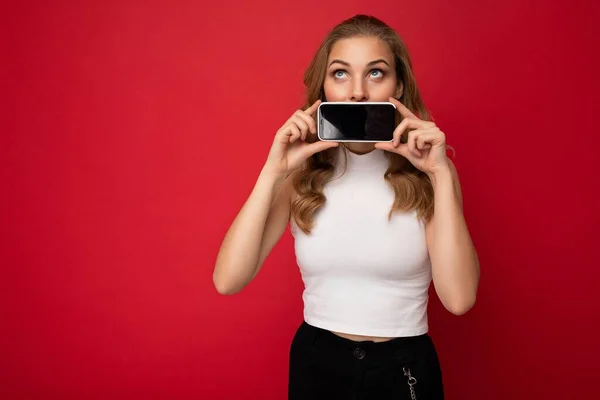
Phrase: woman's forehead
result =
(360, 51)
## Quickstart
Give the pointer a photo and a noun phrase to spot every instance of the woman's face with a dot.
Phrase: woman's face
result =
(361, 69)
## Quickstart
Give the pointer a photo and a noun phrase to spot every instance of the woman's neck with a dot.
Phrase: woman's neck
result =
(360, 148)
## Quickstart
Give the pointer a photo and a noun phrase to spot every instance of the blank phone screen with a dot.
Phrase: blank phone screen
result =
(360, 122)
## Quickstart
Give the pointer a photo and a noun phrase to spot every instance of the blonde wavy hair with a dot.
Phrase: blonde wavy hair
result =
(412, 188)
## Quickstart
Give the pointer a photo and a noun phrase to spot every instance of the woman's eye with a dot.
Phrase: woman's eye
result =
(377, 73)
(339, 73)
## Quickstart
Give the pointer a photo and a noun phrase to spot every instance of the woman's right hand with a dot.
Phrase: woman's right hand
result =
(290, 147)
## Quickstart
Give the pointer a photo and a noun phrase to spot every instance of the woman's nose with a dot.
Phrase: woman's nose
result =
(359, 92)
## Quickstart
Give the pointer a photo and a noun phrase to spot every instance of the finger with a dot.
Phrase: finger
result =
(425, 140)
(402, 149)
(295, 132)
(318, 146)
(405, 112)
(409, 123)
(312, 109)
(387, 146)
(412, 143)
(430, 137)
(302, 125)
(309, 120)
(283, 134)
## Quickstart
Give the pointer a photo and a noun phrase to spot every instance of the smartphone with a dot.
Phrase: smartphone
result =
(356, 122)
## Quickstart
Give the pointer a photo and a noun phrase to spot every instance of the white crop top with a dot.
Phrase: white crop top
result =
(364, 274)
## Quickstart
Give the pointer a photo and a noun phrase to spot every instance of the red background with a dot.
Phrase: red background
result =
(132, 133)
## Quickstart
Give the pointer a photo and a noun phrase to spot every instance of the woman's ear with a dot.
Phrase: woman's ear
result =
(323, 98)
(400, 90)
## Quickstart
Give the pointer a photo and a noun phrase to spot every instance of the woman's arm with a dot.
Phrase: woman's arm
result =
(454, 260)
(455, 266)
(265, 215)
(254, 232)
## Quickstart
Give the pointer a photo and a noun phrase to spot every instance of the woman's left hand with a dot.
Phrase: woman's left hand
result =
(426, 144)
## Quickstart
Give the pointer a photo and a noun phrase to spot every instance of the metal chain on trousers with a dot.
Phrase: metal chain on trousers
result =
(412, 381)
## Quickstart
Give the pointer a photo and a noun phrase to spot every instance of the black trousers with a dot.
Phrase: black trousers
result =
(326, 366)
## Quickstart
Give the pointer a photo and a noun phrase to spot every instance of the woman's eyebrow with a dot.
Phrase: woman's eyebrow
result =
(338, 61)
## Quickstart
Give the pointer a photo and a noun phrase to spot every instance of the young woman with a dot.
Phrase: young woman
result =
(373, 224)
